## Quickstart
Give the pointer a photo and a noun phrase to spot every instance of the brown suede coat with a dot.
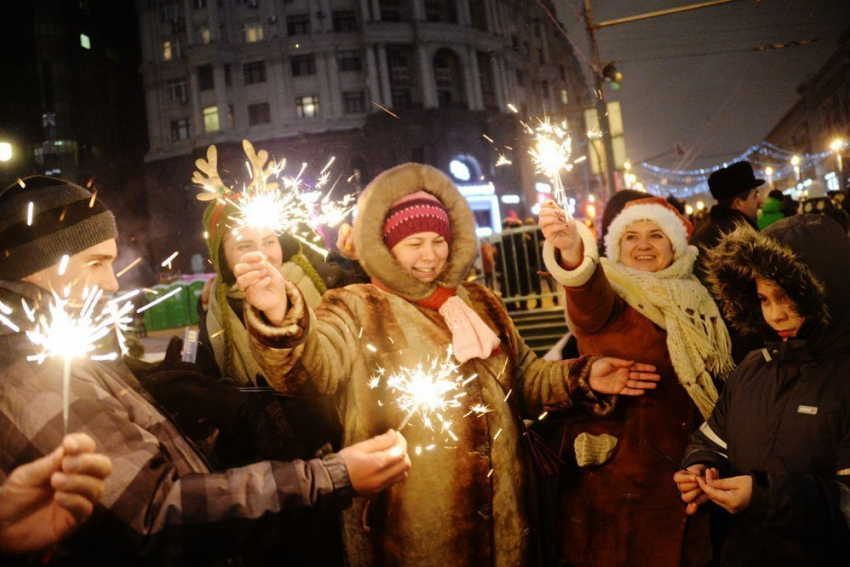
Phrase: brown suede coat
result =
(467, 502)
(627, 511)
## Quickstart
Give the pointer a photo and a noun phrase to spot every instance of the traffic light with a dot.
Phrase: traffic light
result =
(611, 75)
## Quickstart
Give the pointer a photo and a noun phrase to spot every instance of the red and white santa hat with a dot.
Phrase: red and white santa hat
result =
(677, 228)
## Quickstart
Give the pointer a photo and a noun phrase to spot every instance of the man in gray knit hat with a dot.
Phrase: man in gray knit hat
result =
(162, 504)
(45, 219)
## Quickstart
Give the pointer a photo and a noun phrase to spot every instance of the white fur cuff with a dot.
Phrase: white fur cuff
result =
(580, 275)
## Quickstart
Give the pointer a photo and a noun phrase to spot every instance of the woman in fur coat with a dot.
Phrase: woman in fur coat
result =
(467, 501)
(614, 506)
(776, 451)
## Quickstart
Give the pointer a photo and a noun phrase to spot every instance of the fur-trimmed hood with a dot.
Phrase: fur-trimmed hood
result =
(808, 256)
(377, 260)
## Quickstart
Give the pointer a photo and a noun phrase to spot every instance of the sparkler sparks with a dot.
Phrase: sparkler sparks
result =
(272, 200)
(70, 334)
(552, 154)
(428, 391)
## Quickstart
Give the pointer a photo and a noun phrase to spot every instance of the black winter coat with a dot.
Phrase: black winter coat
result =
(784, 415)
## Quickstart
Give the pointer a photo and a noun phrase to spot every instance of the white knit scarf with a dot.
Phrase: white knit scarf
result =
(676, 301)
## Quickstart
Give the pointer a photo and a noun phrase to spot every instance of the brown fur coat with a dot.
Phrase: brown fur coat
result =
(466, 502)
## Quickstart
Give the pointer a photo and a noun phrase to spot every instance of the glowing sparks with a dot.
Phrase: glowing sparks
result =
(129, 267)
(542, 416)
(70, 334)
(158, 300)
(29, 213)
(488, 138)
(167, 261)
(93, 198)
(551, 155)
(63, 264)
(372, 348)
(503, 161)
(428, 391)
(273, 199)
(513, 109)
(388, 111)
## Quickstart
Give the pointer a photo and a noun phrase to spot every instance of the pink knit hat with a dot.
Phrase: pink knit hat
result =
(417, 212)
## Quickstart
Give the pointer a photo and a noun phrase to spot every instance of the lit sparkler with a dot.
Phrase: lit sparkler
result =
(69, 334)
(273, 200)
(551, 155)
(429, 390)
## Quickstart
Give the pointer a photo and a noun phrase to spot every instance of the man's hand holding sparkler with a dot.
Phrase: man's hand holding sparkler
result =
(44, 501)
(377, 463)
(560, 230)
(624, 377)
(263, 286)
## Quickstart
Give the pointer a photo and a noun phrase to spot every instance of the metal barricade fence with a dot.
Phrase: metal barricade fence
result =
(517, 263)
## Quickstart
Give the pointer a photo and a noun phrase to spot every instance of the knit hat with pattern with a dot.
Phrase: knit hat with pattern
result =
(43, 219)
(417, 212)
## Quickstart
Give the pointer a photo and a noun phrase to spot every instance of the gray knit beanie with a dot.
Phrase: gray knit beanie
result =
(64, 221)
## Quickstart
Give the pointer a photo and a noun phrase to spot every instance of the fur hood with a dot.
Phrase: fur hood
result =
(377, 260)
(806, 255)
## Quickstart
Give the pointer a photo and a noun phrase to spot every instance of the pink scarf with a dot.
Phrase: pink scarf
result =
(471, 337)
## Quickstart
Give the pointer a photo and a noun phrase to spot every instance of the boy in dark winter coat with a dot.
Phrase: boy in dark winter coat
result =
(775, 453)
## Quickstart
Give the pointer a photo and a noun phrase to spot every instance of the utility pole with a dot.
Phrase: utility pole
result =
(610, 186)
(599, 80)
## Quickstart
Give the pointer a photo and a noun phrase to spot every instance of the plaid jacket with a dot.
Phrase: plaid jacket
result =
(162, 505)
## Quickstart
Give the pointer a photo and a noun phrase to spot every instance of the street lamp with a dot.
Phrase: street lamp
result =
(836, 146)
(769, 172)
(5, 151)
(795, 161)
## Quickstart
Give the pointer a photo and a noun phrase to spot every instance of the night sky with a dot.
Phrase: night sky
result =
(693, 79)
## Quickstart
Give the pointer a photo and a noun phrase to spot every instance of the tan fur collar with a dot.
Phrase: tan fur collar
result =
(376, 258)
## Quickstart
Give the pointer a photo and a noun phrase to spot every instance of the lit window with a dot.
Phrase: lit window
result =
(307, 106)
(252, 32)
(564, 96)
(85, 42)
(211, 123)
(203, 35)
(167, 50)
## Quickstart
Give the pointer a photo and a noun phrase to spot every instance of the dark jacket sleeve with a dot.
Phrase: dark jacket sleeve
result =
(708, 443)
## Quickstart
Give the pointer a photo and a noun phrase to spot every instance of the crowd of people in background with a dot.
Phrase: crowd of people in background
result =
(701, 415)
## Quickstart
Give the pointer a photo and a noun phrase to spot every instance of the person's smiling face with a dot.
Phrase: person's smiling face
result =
(422, 255)
(645, 247)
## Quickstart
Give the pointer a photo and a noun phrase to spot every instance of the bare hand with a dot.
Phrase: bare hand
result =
(262, 284)
(562, 233)
(688, 485)
(733, 494)
(44, 501)
(345, 241)
(625, 377)
(377, 463)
